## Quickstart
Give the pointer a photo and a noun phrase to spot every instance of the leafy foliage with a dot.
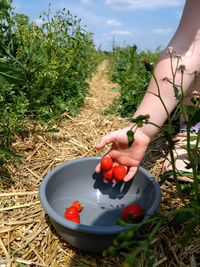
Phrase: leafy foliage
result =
(128, 71)
(44, 70)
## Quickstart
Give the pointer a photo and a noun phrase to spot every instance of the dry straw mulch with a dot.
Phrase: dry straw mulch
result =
(26, 236)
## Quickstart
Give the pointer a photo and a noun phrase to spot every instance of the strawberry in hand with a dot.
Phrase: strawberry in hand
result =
(108, 174)
(119, 172)
(106, 163)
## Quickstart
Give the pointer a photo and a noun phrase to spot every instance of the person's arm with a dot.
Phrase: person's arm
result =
(186, 43)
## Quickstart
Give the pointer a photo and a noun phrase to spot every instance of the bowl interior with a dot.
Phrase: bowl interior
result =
(102, 203)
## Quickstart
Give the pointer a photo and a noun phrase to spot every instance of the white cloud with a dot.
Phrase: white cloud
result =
(162, 31)
(86, 2)
(113, 22)
(127, 33)
(143, 4)
(39, 21)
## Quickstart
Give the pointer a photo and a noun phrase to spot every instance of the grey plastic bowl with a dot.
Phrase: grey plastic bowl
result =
(103, 203)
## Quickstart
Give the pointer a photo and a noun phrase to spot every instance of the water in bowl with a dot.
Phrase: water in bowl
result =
(95, 214)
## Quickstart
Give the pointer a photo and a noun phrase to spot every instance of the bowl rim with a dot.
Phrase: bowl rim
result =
(107, 230)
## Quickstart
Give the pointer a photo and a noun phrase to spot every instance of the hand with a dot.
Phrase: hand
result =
(121, 153)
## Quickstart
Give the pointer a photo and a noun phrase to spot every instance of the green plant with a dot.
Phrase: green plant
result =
(12, 108)
(126, 68)
(56, 58)
(44, 71)
(137, 241)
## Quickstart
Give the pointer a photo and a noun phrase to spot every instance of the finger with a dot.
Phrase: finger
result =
(98, 168)
(132, 171)
(115, 163)
(105, 140)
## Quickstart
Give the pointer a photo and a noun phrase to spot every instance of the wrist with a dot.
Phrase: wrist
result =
(143, 131)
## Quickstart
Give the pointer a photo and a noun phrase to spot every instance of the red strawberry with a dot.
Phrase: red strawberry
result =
(72, 214)
(76, 220)
(119, 172)
(108, 174)
(132, 213)
(77, 204)
(106, 163)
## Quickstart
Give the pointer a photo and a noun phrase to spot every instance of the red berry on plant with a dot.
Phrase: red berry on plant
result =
(106, 163)
(132, 213)
(119, 172)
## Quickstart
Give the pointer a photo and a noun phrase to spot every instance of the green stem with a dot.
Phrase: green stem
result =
(169, 213)
(155, 229)
(159, 95)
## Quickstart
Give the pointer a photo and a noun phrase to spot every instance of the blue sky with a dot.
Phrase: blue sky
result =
(146, 23)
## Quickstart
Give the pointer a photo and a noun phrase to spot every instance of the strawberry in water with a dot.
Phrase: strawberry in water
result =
(72, 214)
(77, 204)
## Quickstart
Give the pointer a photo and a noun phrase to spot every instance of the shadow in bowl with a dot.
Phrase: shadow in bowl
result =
(114, 191)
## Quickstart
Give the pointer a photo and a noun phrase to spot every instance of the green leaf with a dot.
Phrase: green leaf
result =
(176, 92)
(11, 56)
(180, 218)
(192, 146)
(10, 154)
(192, 138)
(133, 50)
(120, 222)
(194, 114)
(129, 260)
(53, 130)
(10, 74)
(167, 174)
(109, 252)
(129, 234)
(120, 237)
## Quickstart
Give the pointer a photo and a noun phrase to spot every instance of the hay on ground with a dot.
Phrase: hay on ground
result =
(26, 236)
